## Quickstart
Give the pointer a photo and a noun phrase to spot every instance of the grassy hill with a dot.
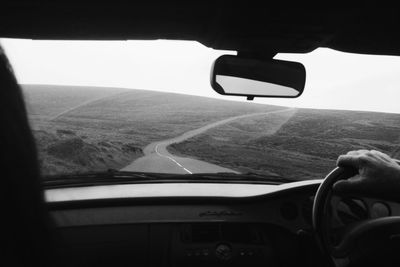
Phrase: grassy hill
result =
(88, 128)
(305, 146)
(92, 129)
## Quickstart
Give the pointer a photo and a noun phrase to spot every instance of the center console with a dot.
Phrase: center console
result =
(218, 244)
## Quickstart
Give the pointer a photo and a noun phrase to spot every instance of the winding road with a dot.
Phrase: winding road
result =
(158, 159)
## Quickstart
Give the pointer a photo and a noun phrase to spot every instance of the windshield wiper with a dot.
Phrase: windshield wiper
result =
(229, 176)
(95, 178)
(111, 177)
(276, 178)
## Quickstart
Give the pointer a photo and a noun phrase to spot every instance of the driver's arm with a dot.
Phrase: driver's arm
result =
(379, 175)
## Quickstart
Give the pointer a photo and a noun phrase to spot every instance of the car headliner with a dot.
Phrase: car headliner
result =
(252, 30)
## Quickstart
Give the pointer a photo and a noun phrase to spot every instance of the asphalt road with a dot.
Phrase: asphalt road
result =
(158, 159)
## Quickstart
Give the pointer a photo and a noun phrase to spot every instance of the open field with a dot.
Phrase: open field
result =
(302, 145)
(93, 129)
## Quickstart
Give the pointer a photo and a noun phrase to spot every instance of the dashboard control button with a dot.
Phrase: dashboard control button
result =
(205, 252)
(223, 252)
(380, 209)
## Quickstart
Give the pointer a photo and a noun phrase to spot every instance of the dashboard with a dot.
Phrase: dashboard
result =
(197, 224)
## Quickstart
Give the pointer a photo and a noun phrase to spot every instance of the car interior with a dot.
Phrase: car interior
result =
(152, 223)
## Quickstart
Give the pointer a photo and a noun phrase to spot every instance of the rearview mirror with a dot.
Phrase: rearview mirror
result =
(232, 75)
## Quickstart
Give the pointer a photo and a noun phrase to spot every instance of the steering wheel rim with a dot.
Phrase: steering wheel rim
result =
(320, 219)
(320, 206)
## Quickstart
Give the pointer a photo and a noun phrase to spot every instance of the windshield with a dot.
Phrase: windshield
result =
(147, 106)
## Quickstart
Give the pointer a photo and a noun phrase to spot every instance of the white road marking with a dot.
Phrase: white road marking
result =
(176, 162)
(187, 170)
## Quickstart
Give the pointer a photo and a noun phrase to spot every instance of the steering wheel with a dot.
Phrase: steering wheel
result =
(358, 241)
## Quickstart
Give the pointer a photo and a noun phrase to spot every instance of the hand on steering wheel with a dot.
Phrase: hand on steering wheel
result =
(378, 175)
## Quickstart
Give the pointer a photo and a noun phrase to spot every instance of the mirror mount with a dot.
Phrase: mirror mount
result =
(257, 55)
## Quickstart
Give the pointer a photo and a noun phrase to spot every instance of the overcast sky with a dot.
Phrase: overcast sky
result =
(334, 79)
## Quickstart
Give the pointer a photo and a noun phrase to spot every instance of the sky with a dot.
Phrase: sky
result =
(335, 80)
